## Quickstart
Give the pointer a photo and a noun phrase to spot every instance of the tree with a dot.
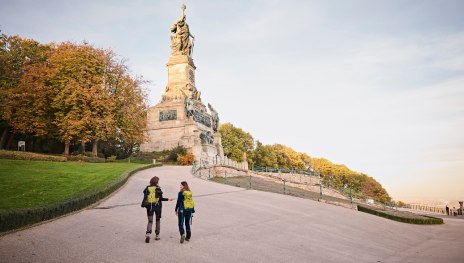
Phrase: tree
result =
(265, 156)
(82, 103)
(19, 102)
(72, 92)
(235, 141)
(130, 105)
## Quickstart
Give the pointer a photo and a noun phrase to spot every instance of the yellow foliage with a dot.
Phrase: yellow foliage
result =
(185, 159)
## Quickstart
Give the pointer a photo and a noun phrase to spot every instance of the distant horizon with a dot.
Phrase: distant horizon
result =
(376, 86)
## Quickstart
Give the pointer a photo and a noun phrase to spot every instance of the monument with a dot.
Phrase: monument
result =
(181, 118)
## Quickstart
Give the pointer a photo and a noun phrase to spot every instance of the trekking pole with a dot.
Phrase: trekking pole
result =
(250, 181)
(351, 197)
(284, 186)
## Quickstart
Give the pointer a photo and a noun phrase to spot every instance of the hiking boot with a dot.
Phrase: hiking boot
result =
(182, 238)
(147, 238)
(189, 234)
(157, 237)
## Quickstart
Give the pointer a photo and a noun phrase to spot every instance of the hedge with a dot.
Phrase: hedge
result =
(426, 220)
(18, 155)
(13, 219)
(83, 158)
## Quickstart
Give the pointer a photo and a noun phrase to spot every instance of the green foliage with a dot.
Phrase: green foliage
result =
(174, 153)
(420, 220)
(167, 156)
(236, 142)
(264, 155)
(17, 155)
(44, 191)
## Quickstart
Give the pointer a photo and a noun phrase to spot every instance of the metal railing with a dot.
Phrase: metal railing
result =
(289, 179)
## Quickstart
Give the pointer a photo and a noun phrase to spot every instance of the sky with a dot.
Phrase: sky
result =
(375, 85)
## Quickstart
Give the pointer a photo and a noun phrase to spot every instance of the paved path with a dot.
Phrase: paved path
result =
(231, 225)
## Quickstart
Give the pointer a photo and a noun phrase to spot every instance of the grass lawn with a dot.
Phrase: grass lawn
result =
(269, 186)
(25, 184)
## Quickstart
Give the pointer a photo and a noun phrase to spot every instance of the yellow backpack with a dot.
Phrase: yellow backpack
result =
(151, 195)
(188, 200)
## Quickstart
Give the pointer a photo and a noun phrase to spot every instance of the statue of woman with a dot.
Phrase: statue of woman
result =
(180, 40)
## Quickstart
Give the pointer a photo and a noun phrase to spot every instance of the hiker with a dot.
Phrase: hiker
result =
(447, 210)
(184, 209)
(152, 201)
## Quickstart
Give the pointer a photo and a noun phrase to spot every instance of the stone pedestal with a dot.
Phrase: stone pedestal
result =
(168, 123)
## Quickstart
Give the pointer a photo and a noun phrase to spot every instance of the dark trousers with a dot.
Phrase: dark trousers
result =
(153, 210)
(184, 216)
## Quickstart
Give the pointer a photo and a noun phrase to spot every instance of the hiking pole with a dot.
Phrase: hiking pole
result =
(284, 187)
(351, 197)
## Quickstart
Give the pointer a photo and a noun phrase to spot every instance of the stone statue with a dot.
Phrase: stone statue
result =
(180, 37)
(215, 117)
(206, 138)
(189, 106)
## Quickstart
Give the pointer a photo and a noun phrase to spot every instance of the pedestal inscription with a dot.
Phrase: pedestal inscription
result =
(168, 115)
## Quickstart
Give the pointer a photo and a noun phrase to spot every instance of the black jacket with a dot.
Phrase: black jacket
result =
(180, 202)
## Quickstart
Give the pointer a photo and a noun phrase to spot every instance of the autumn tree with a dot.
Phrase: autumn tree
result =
(72, 92)
(82, 104)
(20, 105)
(130, 105)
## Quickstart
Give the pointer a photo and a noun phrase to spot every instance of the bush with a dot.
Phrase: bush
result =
(96, 160)
(420, 220)
(186, 159)
(78, 158)
(146, 156)
(162, 156)
(84, 158)
(13, 219)
(174, 153)
(17, 155)
(111, 159)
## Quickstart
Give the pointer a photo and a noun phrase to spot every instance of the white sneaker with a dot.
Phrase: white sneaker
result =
(147, 238)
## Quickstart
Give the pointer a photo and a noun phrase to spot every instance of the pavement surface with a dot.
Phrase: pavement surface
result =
(230, 225)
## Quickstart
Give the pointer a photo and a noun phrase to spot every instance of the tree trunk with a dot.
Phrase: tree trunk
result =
(10, 142)
(94, 148)
(3, 139)
(66, 148)
(83, 146)
(31, 144)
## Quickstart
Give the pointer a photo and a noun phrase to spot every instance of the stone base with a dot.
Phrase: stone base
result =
(166, 133)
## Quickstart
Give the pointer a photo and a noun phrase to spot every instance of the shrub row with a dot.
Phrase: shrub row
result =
(18, 155)
(13, 219)
(84, 158)
(426, 220)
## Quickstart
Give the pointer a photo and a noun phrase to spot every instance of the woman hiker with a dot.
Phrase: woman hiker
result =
(184, 209)
(152, 201)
